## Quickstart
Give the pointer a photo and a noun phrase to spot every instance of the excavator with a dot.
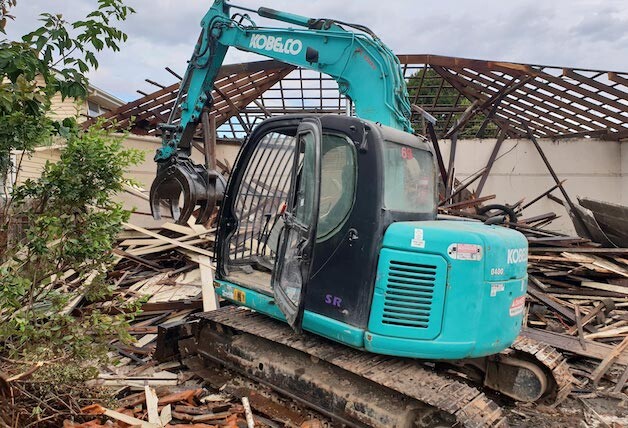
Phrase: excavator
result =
(346, 292)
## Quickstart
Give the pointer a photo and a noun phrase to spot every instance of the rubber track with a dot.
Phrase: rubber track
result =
(553, 360)
(470, 406)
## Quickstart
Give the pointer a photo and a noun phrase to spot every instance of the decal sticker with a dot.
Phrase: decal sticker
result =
(275, 44)
(471, 252)
(496, 288)
(239, 296)
(227, 292)
(516, 308)
(333, 300)
(497, 271)
(517, 255)
(406, 153)
(417, 241)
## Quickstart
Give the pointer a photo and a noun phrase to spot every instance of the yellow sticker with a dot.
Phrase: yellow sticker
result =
(239, 296)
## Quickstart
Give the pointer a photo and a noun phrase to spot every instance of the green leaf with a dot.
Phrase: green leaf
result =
(98, 44)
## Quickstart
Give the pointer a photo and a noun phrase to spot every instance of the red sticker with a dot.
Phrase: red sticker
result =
(516, 308)
(406, 153)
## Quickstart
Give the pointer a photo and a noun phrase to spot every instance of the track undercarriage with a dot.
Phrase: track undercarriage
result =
(357, 388)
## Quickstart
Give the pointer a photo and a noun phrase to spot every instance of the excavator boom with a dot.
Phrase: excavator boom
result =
(367, 72)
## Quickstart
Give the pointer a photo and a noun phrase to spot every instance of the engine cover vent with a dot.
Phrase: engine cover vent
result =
(409, 294)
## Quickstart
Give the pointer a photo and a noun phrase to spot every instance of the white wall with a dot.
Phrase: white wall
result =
(144, 174)
(593, 168)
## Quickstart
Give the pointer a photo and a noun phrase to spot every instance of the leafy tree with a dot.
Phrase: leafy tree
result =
(427, 89)
(73, 226)
(72, 220)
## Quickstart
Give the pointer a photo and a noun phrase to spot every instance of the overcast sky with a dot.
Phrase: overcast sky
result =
(575, 33)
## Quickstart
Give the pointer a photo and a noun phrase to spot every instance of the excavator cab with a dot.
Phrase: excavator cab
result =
(329, 223)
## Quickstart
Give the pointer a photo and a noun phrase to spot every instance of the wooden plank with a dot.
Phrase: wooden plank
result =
(608, 333)
(552, 303)
(594, 250)
(622, 381)
(131, 421)
(579, 327)
(150, 249)
(608, 361)
(210, 300)
(468, 203)
(145, 340)
(597, 262)
(168, 240)
(184, 230)
(139, 242)
(147, 263)
(152, 405)
(592, 314)
(595, 350)
(450, 167)
(606, 287)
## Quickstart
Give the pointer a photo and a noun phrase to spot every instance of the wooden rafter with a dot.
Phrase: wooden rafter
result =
(554, 102)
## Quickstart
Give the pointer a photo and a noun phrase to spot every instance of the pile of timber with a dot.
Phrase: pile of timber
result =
(533, 227)
(169, 270)
(155, 408)
(191, 405)
(577, 295)
(578, 303)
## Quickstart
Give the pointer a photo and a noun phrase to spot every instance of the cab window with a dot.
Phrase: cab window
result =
(409, 177)
(338, 181)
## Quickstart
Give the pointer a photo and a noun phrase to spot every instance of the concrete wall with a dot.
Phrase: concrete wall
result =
(32, 165)
(144, 174)
(592, 168)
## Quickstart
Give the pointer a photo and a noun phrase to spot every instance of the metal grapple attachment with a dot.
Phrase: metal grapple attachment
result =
(182, 185)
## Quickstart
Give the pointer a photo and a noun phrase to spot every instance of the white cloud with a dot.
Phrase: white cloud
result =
(574, 33)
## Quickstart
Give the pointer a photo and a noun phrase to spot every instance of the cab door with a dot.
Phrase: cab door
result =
(298, 234)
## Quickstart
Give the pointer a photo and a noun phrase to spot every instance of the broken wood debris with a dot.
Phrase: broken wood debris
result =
(578, 303)
(577, 290)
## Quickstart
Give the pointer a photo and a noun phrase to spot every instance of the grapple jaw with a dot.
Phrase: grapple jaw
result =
(184, 185)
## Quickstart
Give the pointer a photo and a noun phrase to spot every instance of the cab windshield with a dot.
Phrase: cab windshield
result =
(409, 177)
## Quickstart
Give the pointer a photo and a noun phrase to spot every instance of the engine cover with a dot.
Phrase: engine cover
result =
(448, 290)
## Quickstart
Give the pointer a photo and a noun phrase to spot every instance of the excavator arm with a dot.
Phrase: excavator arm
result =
(367, 72)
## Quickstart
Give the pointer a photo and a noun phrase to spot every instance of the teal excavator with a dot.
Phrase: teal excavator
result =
(328, 224)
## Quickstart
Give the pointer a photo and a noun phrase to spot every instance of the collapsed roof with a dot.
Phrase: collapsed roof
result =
(474, 98)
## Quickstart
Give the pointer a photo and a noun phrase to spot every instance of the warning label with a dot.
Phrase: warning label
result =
(516, 308)
(465, 252)
(417, 241)
(496, 288)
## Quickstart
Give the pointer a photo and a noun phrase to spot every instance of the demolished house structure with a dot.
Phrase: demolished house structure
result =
(545, 146)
